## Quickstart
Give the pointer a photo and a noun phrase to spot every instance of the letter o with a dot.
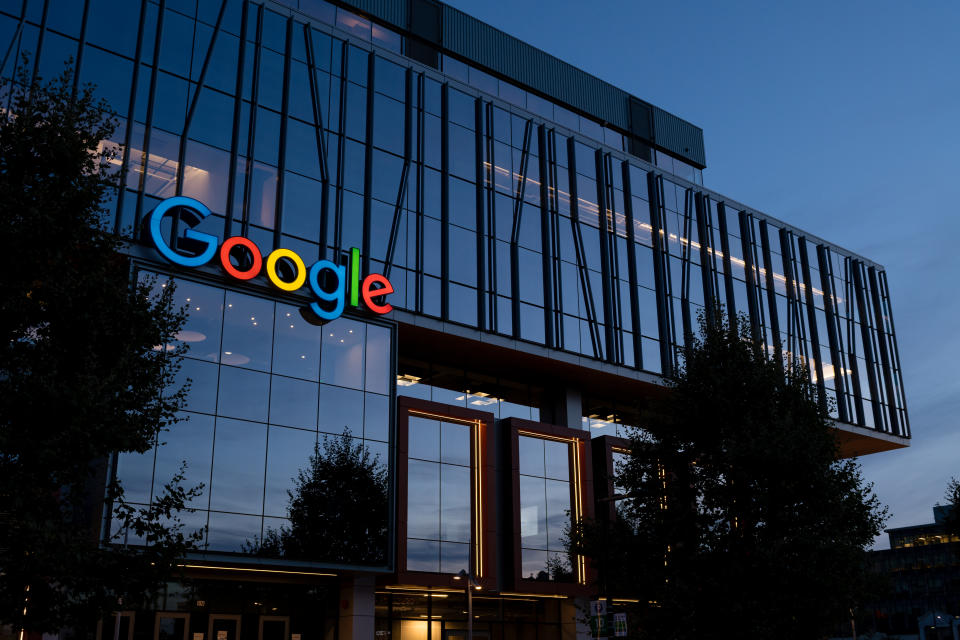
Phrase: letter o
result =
(274, 277)
(249, 245)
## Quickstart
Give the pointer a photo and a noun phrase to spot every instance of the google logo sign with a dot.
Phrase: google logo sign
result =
(319, 277)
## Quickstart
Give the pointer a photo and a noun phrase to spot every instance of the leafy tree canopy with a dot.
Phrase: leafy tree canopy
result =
(82, 372)
(739, 519)
(337, 509)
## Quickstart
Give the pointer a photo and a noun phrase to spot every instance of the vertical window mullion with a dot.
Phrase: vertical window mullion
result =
(632, 266)
(131, 105)
(151, 101)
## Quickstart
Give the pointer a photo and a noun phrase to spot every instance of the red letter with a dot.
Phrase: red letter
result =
(246, 243)
(369, 293)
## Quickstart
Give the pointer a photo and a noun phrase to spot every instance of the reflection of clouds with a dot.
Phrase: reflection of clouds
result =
(236, 359)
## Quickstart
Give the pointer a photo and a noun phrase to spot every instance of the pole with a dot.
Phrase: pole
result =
(470, 609)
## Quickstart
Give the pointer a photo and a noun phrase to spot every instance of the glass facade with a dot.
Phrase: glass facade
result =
(484, 204)
(265, 388)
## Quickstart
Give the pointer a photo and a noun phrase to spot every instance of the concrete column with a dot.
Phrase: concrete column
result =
(357, 607)
(562, 406)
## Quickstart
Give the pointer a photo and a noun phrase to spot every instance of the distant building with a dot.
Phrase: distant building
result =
(923, 568)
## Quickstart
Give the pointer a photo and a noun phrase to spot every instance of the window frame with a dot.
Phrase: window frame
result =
(483, 499)
(581, 500)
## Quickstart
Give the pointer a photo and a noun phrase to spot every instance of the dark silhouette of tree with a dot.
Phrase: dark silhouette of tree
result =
(84, 371)
(738, 520)
(952, 522)
(337, 508)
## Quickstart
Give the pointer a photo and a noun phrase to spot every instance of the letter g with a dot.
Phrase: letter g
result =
(193, 214)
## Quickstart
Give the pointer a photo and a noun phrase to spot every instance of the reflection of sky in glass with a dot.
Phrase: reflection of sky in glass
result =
(438, 493)
(246, 466)
(544, 501)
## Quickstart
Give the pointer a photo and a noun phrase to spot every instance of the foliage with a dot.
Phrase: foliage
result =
(337, 508)
(952, 522)
(81, 372)
(739, 520)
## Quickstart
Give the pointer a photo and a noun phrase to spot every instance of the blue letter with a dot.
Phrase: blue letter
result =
(194, 213)
(338, 295)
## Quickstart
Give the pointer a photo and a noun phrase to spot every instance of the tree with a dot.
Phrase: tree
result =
(84, 371)
(337, 508)
(952, 522)
(739, 519)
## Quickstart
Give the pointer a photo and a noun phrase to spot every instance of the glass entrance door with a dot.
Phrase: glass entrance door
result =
(461, 634)
(171, 626)
(273, 628)
(224, 627)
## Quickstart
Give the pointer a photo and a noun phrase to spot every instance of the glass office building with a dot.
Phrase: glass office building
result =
(549, 243)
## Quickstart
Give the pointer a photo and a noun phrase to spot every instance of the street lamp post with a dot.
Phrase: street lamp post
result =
(470, 585)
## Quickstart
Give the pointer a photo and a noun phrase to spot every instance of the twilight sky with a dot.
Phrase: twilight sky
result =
(840, 118)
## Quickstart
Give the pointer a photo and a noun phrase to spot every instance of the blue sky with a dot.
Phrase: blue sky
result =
(840, 118)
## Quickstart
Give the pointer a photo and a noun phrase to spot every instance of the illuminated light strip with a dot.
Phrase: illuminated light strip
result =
(553, 596)
(624, 600)
(419, 594)
(544, 436)
(438, 416)
(478, 501)
(421, 589)
(217, 568)
(620, 450)
(578, 508)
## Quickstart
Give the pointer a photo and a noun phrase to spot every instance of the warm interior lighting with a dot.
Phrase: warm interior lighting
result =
(406, 380)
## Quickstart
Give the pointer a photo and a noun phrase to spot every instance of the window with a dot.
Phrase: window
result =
(550, 497)
(439, 500)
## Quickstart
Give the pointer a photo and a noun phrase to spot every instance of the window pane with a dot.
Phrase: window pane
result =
(454, 557)
(342, 361)
(377, 377)
(423, 555)
(423, 499)
(293, 402)
(192, 441)
(243, 394)
(531, 456)
(424, 438)
(455, 443)
(296, 349)
(202, 377)
(340, 409)
(558, 513)
(557, 457)
(238, 466)
(376, 417)
(288, 452)
(229, 532)
(247, 329)
(455, 503)
(533, 517)
(201, 332)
